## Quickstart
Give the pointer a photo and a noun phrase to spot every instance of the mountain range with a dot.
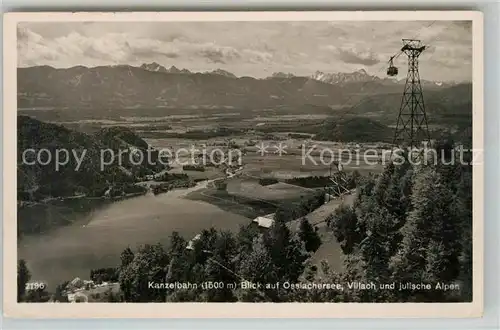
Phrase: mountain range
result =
(155, 67)
(360, 75)
(154, 86)
(363, 76)
(340, 77)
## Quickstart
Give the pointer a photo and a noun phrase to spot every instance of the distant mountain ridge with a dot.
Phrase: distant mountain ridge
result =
(152, 85)
(340, 77)
(155, 67)
(282, 75)
(222, 73)
(362, 76)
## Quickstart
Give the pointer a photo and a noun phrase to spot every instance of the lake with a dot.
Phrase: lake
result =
(96, 240)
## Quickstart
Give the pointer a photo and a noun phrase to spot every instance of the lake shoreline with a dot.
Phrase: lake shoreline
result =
(96, 239)
(178, 192)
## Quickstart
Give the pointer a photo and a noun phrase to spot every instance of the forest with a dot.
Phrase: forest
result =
(410, 224)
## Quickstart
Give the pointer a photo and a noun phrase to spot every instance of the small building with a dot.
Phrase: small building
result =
(78, 297)
(329, 198)
(76, 283)
(265, 221)
(190, 245)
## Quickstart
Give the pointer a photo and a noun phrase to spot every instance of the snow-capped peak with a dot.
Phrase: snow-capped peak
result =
(343, 77)
(155, 67)
(222, 73)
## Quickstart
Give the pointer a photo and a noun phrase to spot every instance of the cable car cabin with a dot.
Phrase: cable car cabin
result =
(392, 71)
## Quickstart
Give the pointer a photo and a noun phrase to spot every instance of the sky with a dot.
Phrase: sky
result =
(255, 49)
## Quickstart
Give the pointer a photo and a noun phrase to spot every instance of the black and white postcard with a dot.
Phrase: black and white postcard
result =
(324, 164)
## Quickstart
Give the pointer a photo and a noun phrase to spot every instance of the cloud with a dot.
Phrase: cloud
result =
(214, 53)
(32, 50)
(218, 54)
(256, 57)
(121, 48)
(353, 56)
(246, 48)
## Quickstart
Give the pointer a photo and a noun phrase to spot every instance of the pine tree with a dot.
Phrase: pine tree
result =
(430, 235)
(221, 268)
(398, 201)
(23, 277)
(150, 263)
(354, 271)
(309, 236)
(285, 251)
(463, 206)
(126, 257)
(179, 267)
(177, 244)
(257, 267)
(245, 238)
(345, 227)
(383, 181)
(375, 249)
(124, 278)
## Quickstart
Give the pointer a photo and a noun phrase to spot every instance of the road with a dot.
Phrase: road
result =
(318, 217)
(330, 249)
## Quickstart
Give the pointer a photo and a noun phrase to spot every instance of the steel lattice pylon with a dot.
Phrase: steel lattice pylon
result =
(339, 183)
(412, 129)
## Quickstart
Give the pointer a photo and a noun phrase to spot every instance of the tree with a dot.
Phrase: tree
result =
(277, 256)
(344, 224)
(315, 274)
(354, 271)
(380, 189)
(466, 267)
(149, 265)
(365, 200)
(37, 295)
(100, 275)
(221, 268)
(177, 244)
(375, 249)
(256, 267)
(179, 268)
(309, 236)
(430, 247)
(33, 294)
(463, 206)
(245, 238)
(60, 288)
(23, 277)
(368, 263)
(286, 252)
(354, 179)
(126, 257)
(289, 211)
(444, 148)
(397, 201)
